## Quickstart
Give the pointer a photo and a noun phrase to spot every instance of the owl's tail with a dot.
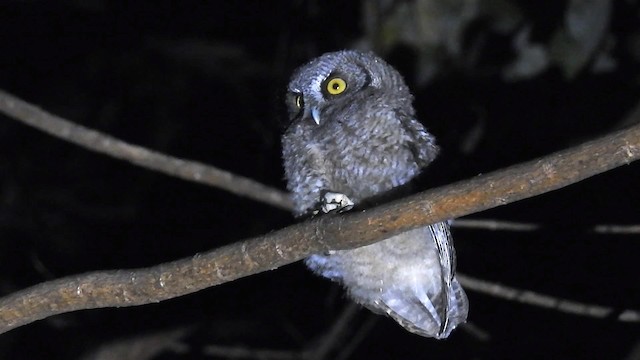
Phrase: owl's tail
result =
(457, 309)
(421, 314)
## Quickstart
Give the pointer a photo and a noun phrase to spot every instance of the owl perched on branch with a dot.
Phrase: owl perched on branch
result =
(352, 137)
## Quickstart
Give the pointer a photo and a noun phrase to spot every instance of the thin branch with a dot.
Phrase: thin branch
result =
(141, 347)
(209, 175)
(148, 285)
(634, 353)
(240, 352)
(336, 334)
(541, 300)
(500, 225)
(356, 339)
(494, 225)
(617, 229)
(105, 144)
(330, 340)
(475, 331)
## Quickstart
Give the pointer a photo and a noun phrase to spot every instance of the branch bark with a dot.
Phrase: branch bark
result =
(147, 285)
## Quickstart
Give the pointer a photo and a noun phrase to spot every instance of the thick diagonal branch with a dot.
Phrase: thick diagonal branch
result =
(169, 280)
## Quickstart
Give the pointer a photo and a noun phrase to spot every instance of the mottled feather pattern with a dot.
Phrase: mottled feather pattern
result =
(364, 142)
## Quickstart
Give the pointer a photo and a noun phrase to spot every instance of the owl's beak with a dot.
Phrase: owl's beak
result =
(315, 114)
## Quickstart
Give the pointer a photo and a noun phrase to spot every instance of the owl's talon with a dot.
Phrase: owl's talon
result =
(332, 201)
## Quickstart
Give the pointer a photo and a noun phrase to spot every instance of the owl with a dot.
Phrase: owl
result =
(352, 138)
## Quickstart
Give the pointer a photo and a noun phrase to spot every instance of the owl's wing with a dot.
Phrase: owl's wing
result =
(455, 300)
(422, 143)
(423, 306)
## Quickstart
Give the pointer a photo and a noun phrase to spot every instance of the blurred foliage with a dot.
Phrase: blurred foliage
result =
(437, 30)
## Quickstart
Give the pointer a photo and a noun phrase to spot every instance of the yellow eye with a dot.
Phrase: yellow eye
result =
(298, 101)
(336, 86)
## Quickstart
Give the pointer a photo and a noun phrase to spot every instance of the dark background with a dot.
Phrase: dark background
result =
(205, 80)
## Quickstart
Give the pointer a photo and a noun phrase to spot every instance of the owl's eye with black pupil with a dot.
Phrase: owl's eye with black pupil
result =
(336, 86)
(298, 101)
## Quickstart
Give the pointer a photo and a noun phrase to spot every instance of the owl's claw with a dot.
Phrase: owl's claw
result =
(332, 201)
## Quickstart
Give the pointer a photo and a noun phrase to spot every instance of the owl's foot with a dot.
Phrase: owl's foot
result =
(332, 201)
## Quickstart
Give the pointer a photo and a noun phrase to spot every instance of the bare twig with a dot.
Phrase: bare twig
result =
(329, 341)
(239, 352)
(105, 144)
(617, 229)
(476, 331)
(336, 334)
(141, 347)
(356, 339)
(494, 225)
(541, 300)
(634, 353)
(500, 225)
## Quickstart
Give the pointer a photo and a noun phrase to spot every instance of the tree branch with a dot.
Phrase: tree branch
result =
(142, 286)
(545, 301)
(105, 144)
(499, 225)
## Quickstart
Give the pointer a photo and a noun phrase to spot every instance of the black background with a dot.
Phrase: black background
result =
(204, 81)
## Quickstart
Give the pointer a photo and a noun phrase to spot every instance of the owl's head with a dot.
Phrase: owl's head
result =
(339, 78)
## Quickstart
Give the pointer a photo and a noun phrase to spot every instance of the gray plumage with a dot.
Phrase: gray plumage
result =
(353, 131)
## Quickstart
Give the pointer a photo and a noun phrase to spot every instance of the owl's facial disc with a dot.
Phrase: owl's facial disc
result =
(321, 82)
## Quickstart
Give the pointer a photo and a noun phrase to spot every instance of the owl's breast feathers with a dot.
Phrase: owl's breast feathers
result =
(360, 154)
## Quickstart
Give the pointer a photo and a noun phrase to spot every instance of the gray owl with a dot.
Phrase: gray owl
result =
(353, 136)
